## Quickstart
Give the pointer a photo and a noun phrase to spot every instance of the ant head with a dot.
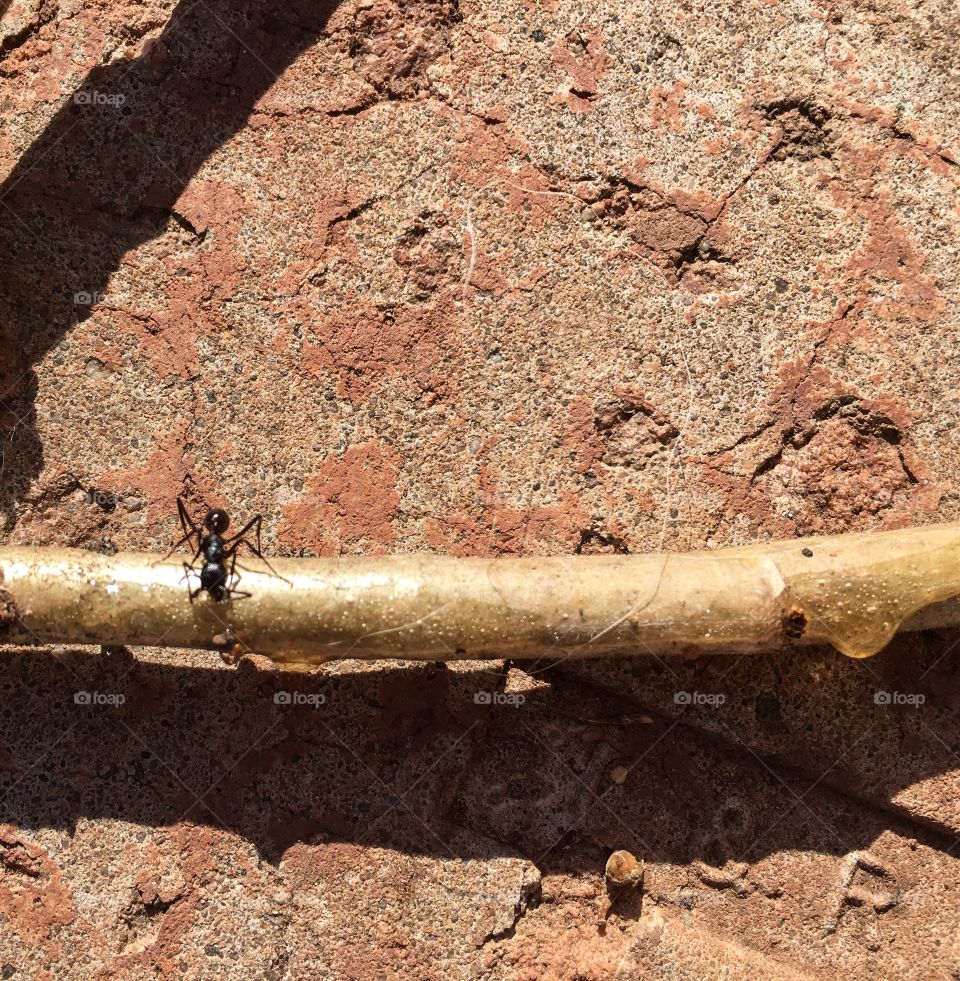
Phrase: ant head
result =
(217, 520)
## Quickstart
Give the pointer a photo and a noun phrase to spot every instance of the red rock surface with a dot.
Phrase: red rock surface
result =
(499, 278)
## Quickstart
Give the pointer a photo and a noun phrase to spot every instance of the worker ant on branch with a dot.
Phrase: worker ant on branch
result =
(216, 578)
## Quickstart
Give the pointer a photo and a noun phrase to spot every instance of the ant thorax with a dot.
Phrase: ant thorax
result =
(214, 548)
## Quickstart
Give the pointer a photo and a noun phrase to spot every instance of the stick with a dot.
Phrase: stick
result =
(851, 591)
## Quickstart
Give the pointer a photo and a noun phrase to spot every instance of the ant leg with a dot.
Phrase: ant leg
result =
(189, 566)
(255, 522)
(193, 593)
(264, 560)
(190, 530)
(241, 593)
(182, 541)
(196, 555)
(257, 549)
(233, 579)
(186, 522)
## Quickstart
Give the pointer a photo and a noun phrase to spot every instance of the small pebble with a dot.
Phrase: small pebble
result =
(619, 774)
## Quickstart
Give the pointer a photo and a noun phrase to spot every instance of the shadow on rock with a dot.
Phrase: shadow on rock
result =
(429, 760)
(105, 174)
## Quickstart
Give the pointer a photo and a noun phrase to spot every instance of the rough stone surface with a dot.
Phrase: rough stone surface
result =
(479, 278)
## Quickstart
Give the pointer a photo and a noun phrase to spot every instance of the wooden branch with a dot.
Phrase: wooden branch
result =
(851, 591)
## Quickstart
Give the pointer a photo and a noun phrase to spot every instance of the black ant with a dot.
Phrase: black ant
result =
(215, 578)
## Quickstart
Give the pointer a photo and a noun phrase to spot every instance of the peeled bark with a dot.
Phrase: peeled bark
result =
(851, 591)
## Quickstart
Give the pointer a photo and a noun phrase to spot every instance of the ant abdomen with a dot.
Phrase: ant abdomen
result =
(213, 578)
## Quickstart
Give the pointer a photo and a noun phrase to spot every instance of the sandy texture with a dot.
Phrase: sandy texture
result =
(481, 279)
